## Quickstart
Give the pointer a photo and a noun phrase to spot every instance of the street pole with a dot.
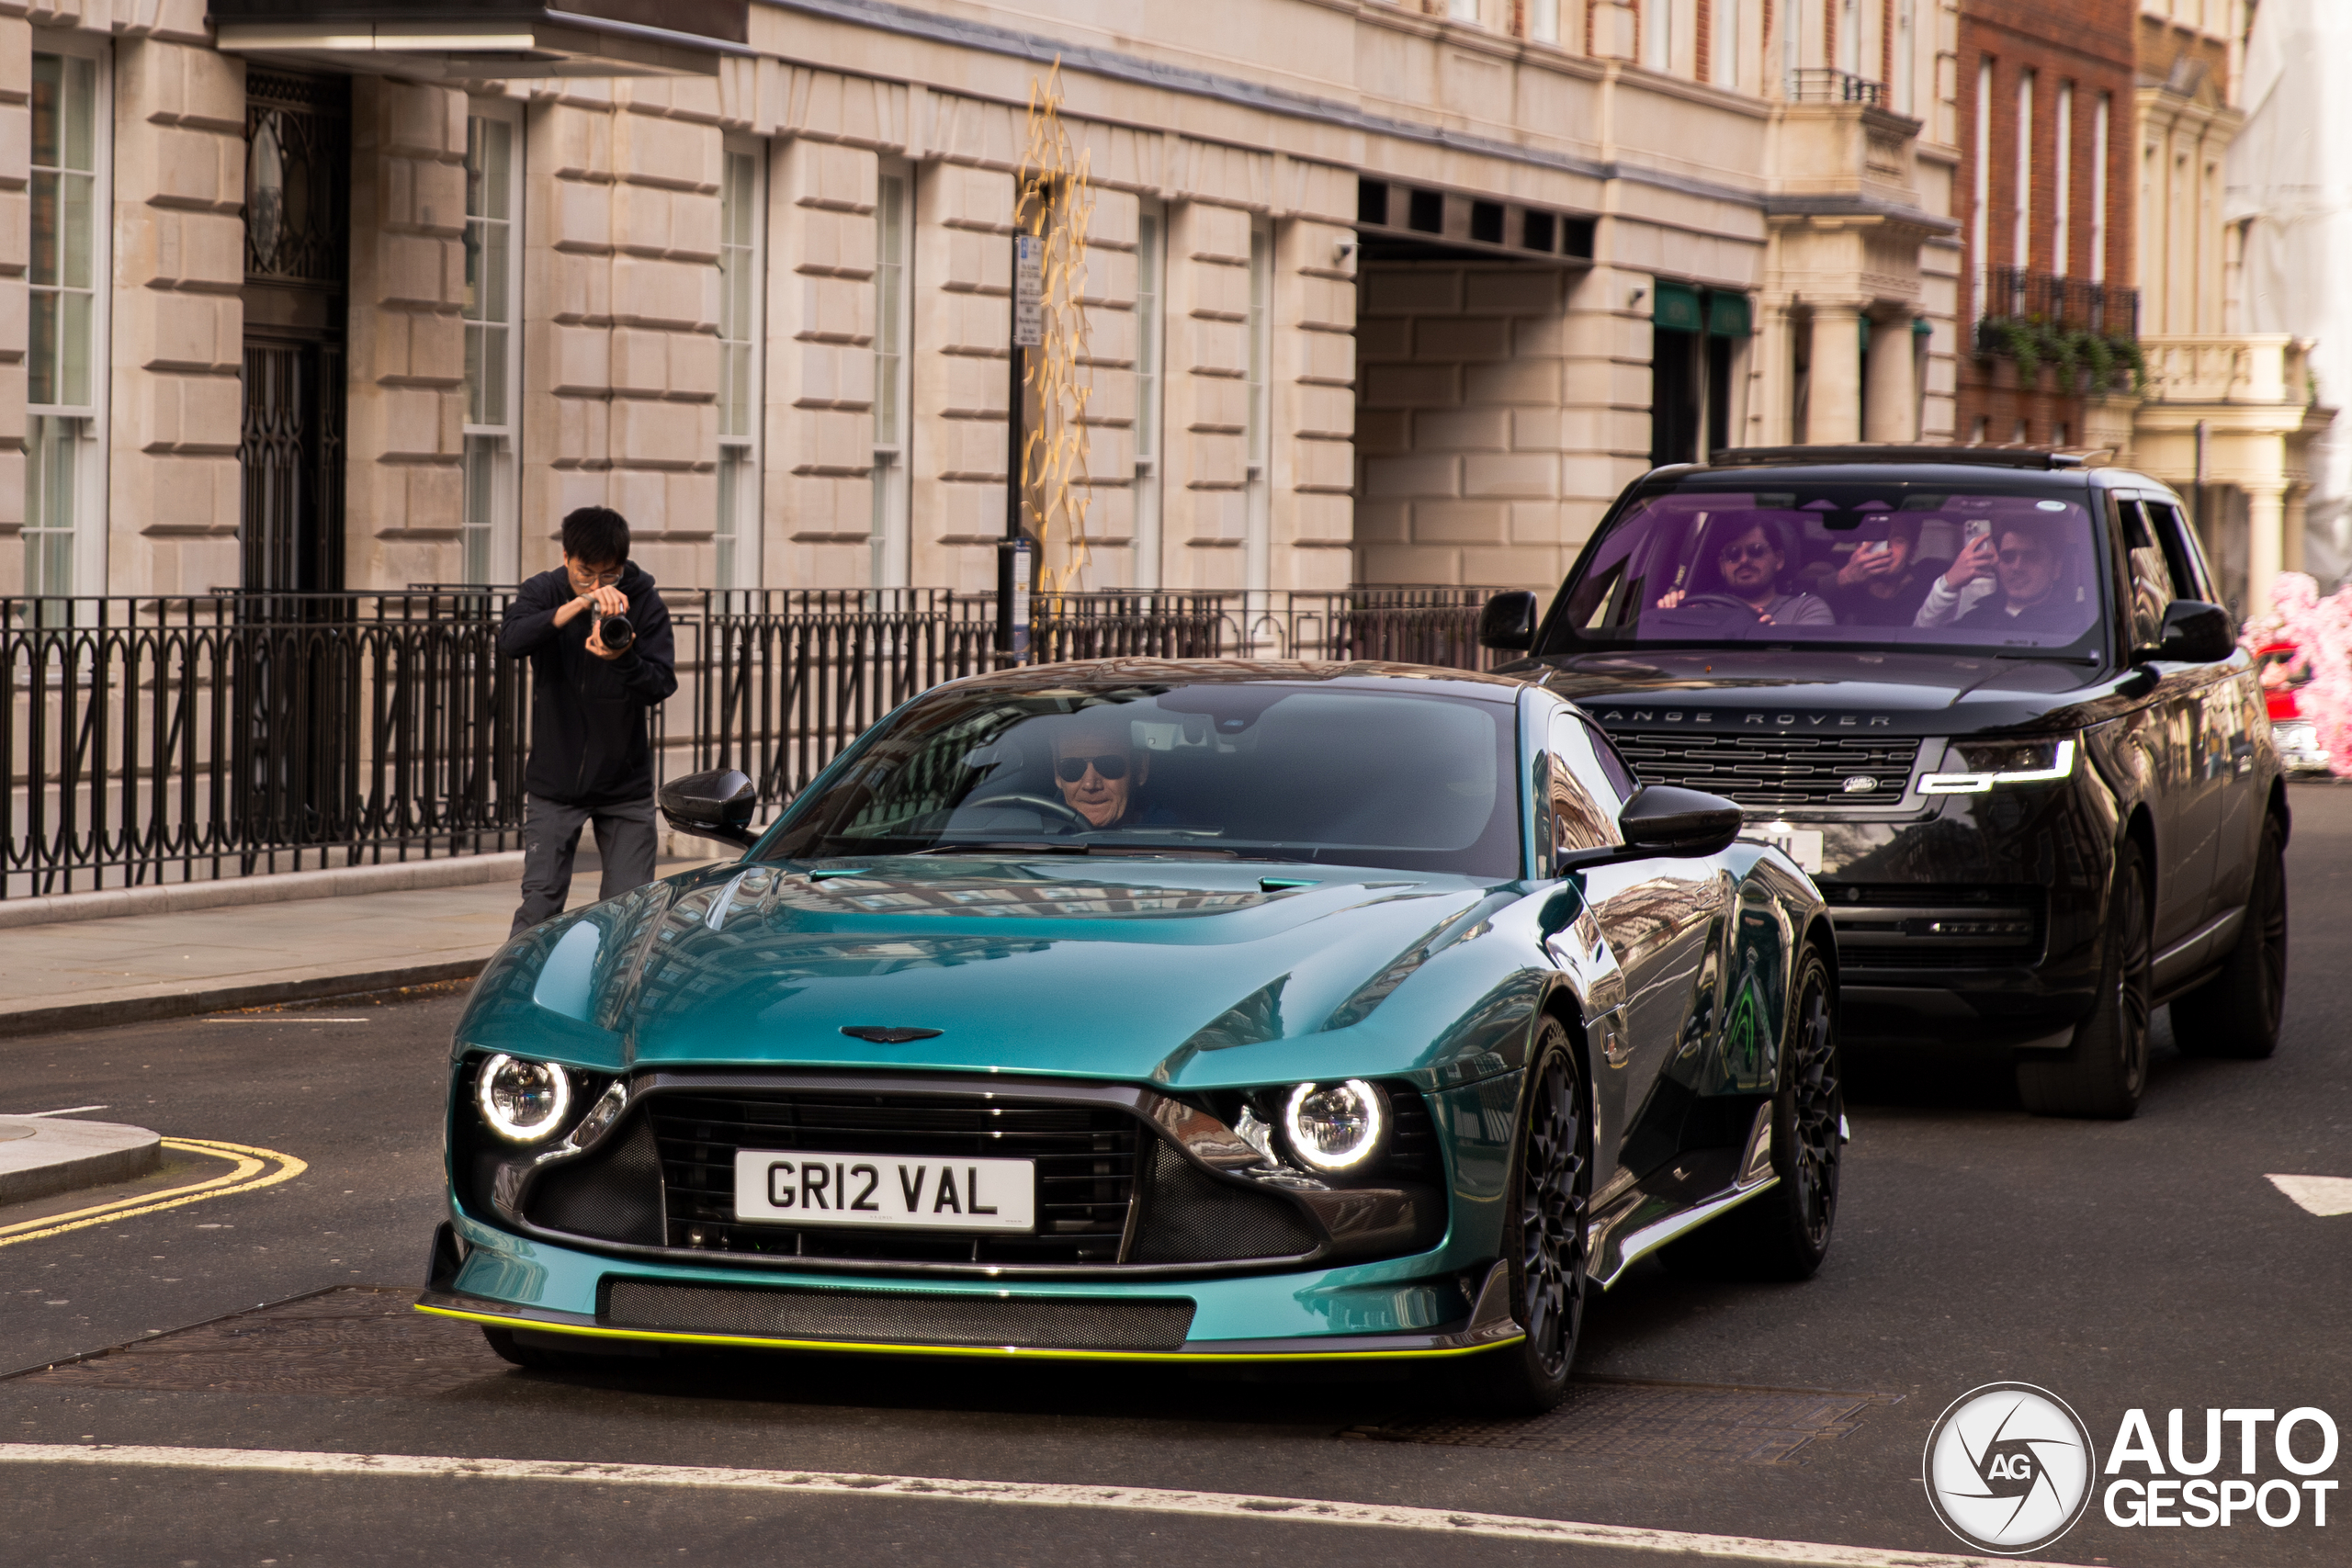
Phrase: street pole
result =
(1015, 554)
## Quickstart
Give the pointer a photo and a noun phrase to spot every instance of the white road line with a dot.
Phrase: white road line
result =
(2318, 1194)
(1035, 1495)
(68, 1110)
(286, 1018)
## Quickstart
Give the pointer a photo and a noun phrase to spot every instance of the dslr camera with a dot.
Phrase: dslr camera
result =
(614, 632)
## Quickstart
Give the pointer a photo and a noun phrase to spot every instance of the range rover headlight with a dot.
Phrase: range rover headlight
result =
(1335, 1127)
(523, 1101)
(1992, 762)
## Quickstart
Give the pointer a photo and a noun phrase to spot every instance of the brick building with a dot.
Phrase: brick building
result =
(2044, 196)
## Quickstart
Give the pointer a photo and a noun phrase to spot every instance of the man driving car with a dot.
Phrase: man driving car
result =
(1100, 772)
(1750, 563)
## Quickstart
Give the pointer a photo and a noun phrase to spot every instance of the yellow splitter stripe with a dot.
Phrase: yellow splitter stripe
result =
(877, 1348)
(1448, 1522)
(251, 1172)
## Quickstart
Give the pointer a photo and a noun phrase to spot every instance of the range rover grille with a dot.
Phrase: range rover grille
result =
(1775, 773)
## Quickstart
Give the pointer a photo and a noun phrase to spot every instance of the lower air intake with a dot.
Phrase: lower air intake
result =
(898, 1317)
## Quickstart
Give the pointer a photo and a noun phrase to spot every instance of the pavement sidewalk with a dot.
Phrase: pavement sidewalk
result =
(87, 973)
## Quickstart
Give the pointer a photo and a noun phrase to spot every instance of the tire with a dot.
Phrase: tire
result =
(1784, 1232)
(2104, 1071)
(1546, 1201)
(2236, 1013)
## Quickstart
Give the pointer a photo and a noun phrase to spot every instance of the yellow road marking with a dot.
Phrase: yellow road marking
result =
(247, 1176)
(878, 1348)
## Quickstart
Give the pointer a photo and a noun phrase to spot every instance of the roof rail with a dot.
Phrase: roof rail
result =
(1904, 452)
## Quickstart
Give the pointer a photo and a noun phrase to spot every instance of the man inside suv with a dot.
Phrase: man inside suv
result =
(2029, 583)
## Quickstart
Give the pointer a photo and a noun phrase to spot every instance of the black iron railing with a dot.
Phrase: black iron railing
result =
(155, 740)
(1825, 85)
(2017, 293)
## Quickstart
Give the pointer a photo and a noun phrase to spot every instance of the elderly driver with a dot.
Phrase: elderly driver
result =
(1100, 771)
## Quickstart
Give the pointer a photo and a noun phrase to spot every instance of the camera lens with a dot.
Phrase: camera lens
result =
(614, 632)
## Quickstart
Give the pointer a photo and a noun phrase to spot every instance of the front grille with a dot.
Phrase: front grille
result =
(1924, 926)
(896, 1316)
(1193, 1217)
(1775, 773)
(1085, 1154)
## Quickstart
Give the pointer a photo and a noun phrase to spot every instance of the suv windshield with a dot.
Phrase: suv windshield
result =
(1878, 564)
(1258, 771)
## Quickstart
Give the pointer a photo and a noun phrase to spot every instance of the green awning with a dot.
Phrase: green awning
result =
(1677, 307)
(1727, 315)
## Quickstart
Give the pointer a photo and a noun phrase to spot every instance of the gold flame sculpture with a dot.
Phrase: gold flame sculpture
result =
(1057, 202)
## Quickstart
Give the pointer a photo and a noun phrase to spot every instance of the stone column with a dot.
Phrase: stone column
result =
(1834, 407)
(961, 339)
(1893, 413)
(16, 174)
(408, 353)
(1314, 393)
(820, 311)
(1206, 490)
(2264, 541)
(179, 320)
(2298, 523)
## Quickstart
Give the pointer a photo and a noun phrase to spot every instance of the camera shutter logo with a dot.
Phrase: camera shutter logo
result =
(2009, 1468)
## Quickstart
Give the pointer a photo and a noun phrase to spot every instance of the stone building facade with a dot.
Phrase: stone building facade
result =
(303, 296)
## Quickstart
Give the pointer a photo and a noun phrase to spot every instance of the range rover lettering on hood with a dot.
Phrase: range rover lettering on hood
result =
(1772, 720)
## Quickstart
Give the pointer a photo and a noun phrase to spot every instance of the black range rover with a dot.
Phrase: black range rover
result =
(1986, 698)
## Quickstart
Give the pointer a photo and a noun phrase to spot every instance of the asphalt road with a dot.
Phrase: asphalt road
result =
(2147, 1264)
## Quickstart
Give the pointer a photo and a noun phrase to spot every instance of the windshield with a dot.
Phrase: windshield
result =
(1882, 565)
(1255, 770)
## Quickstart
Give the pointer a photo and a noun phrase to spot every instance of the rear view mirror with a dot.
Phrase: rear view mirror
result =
(1507, 622)
(1663, 820)
(715, 804)
(2194, 633)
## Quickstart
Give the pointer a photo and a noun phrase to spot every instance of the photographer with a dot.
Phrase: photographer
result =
(598, 638)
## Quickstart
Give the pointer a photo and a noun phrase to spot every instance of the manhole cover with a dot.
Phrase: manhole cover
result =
(355, 1341)
(1617, 1419)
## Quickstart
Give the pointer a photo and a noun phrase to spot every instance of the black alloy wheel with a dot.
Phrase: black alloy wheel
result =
(1547, 1206)
(2238, 1013)
(1783, 1233)
(2103, 1072)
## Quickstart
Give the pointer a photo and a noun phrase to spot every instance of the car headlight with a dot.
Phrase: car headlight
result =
(523, 1101)
(1335, 1127)
(1991, 763)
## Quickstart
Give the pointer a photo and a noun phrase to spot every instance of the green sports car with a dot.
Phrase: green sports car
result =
(1148, 1010)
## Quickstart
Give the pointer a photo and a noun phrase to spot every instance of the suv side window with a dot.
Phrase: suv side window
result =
(2153, 587)
(2181, 553)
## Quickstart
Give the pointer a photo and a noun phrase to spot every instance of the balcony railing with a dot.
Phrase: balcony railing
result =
(153, 739)
(1821, 85)
(2248, 367)
(2015, 293)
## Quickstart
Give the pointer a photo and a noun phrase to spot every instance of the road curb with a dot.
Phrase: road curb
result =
(221, 999)
(276, 887)
(70, 1155)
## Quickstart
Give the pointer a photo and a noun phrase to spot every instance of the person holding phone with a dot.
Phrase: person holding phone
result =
(591, 760)
(1880, 584)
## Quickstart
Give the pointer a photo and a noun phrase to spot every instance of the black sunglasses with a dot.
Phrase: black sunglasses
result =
(1072, 768)
(1746, 552)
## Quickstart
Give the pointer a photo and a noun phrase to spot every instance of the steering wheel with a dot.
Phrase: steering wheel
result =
(1037, 803)
(1716, 602)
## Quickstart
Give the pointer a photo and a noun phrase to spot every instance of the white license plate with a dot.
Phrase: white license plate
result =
(812, 1188)
(1802, 845)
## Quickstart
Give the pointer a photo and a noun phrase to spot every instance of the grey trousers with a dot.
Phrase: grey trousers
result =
(550, 839)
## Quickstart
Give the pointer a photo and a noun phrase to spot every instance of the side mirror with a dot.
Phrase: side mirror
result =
(715, 804)
(1663, 820)
(2194, 633)
(1507, 622)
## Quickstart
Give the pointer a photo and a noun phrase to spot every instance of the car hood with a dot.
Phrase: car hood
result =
(1173, 972)
(1801, 691)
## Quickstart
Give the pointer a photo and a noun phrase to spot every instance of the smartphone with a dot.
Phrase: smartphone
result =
(1875, 547)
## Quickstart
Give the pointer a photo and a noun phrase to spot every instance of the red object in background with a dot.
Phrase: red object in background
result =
(2283, 669)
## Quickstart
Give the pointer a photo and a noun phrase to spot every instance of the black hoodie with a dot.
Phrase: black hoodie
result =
(589, 744)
